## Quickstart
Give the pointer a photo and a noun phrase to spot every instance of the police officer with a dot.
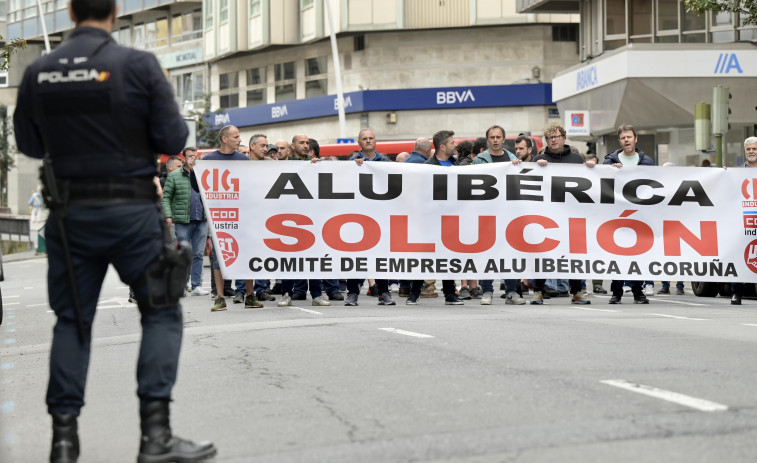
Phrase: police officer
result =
(101, 112)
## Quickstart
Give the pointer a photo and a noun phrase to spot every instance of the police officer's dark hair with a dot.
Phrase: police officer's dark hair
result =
(529, 142)
(315, 147)
(184, 151)
(495, 127)
(92, 9)
(254, 138)
(626, 127)
(479, 144)
(442, 136)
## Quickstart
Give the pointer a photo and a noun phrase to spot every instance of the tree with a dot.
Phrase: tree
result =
(746, 8)
(206, 128)
(6, 152)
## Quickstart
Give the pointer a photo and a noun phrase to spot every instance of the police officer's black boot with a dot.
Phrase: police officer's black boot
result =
(160, 446)
(65, 447)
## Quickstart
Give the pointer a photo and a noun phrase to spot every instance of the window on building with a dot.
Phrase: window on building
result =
(306, 4)
(285, 81)
(254, 8)
(186, 26)
(190, 89)
(208, 9)
(615, 20)
(256, 86)
(223, 11)
(667, 15)
(316, 77)
(228, 86)
(139, 36)
(156, 33)
(641, 17)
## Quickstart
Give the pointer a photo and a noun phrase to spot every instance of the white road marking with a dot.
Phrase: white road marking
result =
(686, 303)
(749, 324)
(11, 303)
(10, 297)
(29, 287)
(677, 317)
(406, 333)
(681, 399)
(596, 310)
(306, 310)
(38, 305)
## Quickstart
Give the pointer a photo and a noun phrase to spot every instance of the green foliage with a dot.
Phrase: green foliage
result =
(746, 8)
(207, 133)
(7, 50)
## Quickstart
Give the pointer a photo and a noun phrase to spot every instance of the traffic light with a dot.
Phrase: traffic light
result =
(702, 126)
(721, 97)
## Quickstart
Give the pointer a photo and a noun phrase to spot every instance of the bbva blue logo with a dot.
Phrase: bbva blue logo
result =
(726, 63)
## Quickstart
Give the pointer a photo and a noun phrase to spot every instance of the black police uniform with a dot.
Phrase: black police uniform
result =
(102, 111)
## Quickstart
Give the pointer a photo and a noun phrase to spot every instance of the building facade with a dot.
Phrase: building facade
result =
(648, 63)
(408, 67)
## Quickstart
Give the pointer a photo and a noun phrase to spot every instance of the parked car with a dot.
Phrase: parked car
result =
(711, 289)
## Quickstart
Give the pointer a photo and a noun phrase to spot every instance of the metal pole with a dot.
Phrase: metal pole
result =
(719, 149)
(44, 27)
(337, 73)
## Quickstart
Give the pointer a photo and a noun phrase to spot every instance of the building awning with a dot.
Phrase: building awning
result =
(653, 86)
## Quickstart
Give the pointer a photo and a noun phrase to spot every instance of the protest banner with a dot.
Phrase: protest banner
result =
(409, 221)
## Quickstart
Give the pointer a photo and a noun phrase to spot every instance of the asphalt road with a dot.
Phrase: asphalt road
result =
(672, 381)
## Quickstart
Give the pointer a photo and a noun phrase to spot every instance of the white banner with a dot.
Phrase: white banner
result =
(411, 221)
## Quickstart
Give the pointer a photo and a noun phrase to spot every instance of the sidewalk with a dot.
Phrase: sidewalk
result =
(23, 256)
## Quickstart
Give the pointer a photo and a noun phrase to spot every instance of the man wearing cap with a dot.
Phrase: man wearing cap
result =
(273, 153)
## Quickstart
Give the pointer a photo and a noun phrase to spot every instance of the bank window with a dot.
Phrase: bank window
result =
(228, 86)
(256, 86)
(186, 26)
(285, 81)
(691, 21)
(667, 15)
(316, 77)
(254, 8)
(615, 21)
(641, 17)
(747, 32)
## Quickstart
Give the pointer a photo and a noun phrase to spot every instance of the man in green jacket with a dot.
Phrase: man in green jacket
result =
(182, 205)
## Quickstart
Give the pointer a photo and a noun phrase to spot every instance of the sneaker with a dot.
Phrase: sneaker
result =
(640, 299)
(664, 291)
(351, 299)
(680, 292)
(336, 296)
(219, 305)
(598, 289)
(562, 294)
(537, 298)
(386, 299)
(252, 302)
(198, 291)
(132, 300)
(228, 292)
(404, 292)
(286, 301)
(429, 290)
(238, 298)
(265, 296)
(615, 300)
(735, 300)
(412, 299)
(321, 301)
(626, 289)
(394, 288)
(551, 292)
(649, 290)
(486, 299)
(502, 287)
(512, 298)
(465, 293)
(299, 297)
(452, 299)
(372, 291)
(476, 293)
(579, 298)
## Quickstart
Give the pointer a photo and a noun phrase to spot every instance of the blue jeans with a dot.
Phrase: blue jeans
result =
(195, 233)
(560, 285)
(330, 286)
(487, 286)
(666, 285)
(301, 286)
